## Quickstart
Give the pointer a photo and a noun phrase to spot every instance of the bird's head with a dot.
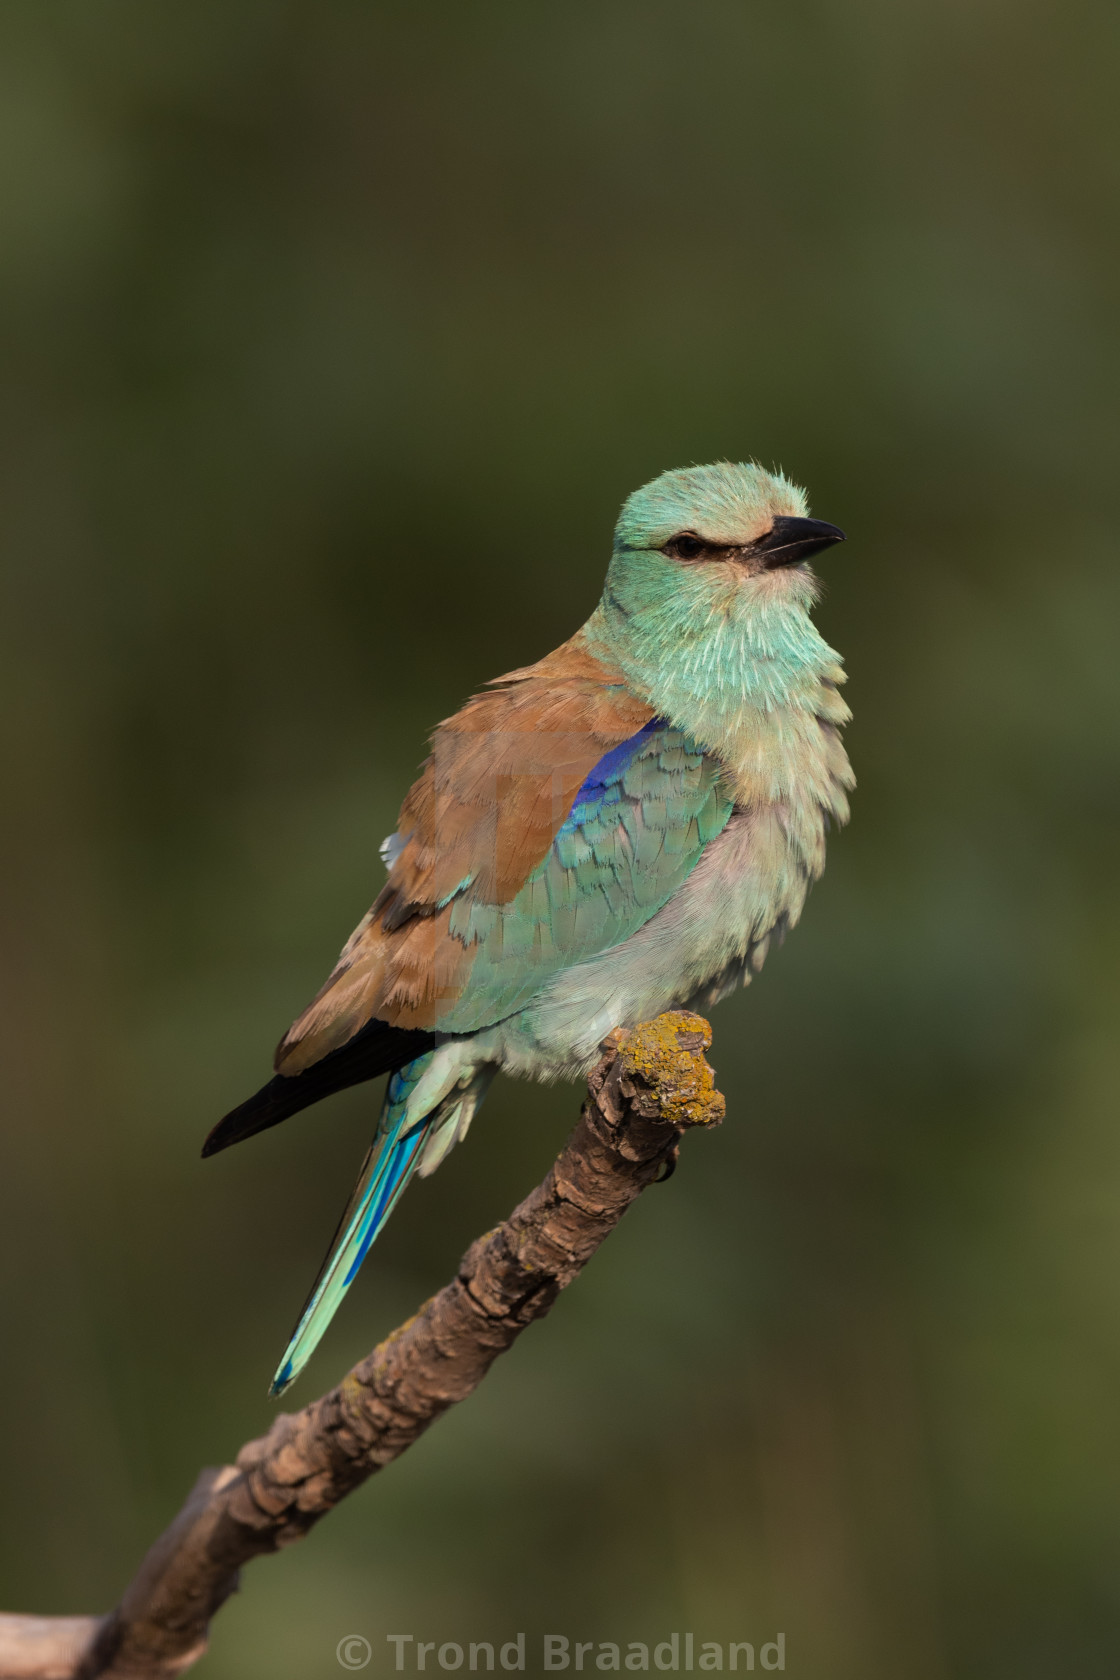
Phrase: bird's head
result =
(720, 531)
(709, 589)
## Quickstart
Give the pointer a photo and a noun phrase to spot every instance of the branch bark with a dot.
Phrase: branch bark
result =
(650, 1086)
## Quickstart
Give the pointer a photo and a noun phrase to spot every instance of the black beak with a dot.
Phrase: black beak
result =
(790, 540)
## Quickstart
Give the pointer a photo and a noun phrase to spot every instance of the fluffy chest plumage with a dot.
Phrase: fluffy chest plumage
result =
(752, 683)
(790, 762)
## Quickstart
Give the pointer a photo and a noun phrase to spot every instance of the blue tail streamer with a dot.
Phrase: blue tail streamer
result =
(392, 1159)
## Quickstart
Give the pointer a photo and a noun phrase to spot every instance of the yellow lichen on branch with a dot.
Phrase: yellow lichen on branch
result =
(685, 1086)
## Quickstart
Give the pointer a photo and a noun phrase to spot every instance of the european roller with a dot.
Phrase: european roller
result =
(622, 828)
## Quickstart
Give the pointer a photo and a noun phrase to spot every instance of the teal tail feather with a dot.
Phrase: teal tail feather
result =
(393, 1158)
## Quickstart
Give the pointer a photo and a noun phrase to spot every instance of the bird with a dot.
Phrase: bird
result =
(624, 827)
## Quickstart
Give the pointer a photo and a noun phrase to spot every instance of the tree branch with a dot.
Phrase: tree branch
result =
(649, 1087)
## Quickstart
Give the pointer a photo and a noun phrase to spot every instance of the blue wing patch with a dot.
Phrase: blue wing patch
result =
(635, 831)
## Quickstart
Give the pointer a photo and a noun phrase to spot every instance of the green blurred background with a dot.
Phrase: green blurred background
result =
(335, 334)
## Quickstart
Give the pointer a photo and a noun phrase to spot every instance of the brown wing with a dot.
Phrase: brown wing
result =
(502, 777)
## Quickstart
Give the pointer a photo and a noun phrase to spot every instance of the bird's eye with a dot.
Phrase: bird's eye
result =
(684, 547)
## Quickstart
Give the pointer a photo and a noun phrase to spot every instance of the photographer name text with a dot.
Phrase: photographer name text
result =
(680, 1653)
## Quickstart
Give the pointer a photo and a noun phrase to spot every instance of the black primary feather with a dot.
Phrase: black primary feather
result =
(376, 1048)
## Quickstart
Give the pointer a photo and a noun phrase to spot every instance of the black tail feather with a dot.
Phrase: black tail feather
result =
(376, 1048)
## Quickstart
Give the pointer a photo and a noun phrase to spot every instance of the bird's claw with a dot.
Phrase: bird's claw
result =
(670, 1166)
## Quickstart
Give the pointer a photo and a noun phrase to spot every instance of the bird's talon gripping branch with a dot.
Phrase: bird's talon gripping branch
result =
(670, 1165)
